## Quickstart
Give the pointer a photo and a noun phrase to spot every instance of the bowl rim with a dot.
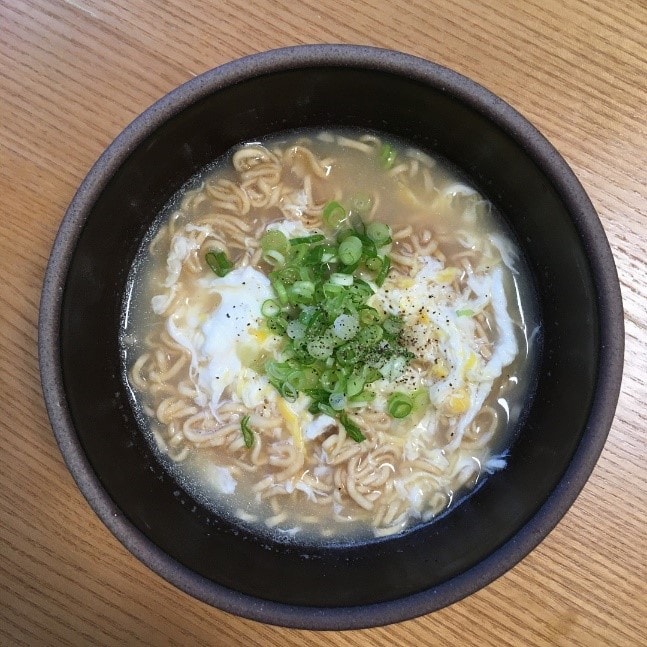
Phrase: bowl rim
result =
(609, 305)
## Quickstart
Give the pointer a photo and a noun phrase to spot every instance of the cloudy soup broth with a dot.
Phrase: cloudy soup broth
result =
(329, 335)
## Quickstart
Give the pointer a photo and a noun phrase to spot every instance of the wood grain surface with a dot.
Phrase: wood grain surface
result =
(74, 73)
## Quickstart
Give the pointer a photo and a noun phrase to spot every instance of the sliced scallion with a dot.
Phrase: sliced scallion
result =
(334, 343)
(320, 348)
(399, 405)
(374, 263)
(361, 203)
(341, 279)
(384, 270)
(337, 401)
(270, 308)
(218, 262)
(350, 250)
(346, 326)
(248, 435)
(276, 240)
(387, 156)
(334, 214)
(354, 385)
(295, 329)
(314, 238)
(379, 233)
(353, 431)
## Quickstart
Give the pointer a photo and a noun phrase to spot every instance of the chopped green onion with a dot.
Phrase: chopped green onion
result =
(330, 289)
(295, 329)
(334, 344)
(359, 292)
(329, 378)
(218, 262)
(314, 255)
(361, 398)
(289, 275)
(420, 399)
(248, 435)
(369, 250)
(301, 291)
(374, 264)
(379, 233)
(327, 409)
(368, 316)
(350, 250)
(343, 234)
(370, 335)
(346, 326)
(306, 273)
(281, 292)
(270, 308)
(320, 348)
(337, 401)
(387, 156)
(357, 224)
(361, 203)
(341, 279)
(392, 325)
(399, 405)
(314, 238)
(353, 431)
(334, 214)
(386, 266)
(288, 392)
(276, 240)
(277, 324)
(308, 378)
(354, 385)
(465, 312)
(347, 354)
(274, 257)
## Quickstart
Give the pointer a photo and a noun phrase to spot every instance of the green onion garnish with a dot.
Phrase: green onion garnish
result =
(351, 428)
(334, 214)
(399, 405)
(248, 435)
(275, 240)
(420, 399)
(350, 250)
(315, 238)
(379, 233)
(374, 264)
(466, 312)
(384, 270)
(270, 308)
(218, 262)
(337, 401)
(334, 343)
(387, 156)
(361, 203)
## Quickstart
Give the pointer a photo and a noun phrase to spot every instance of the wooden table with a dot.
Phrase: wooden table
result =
(73, 73)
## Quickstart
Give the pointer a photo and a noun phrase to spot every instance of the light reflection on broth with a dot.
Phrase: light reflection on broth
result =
(196, 345)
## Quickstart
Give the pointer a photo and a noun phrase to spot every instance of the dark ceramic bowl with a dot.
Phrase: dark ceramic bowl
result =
(566, 422)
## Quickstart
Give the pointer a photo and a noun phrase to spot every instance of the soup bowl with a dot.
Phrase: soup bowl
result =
(566, 417)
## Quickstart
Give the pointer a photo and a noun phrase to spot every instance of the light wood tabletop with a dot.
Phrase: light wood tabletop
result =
(74, 73)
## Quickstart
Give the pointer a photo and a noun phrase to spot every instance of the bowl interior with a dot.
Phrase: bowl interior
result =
(435, 120)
